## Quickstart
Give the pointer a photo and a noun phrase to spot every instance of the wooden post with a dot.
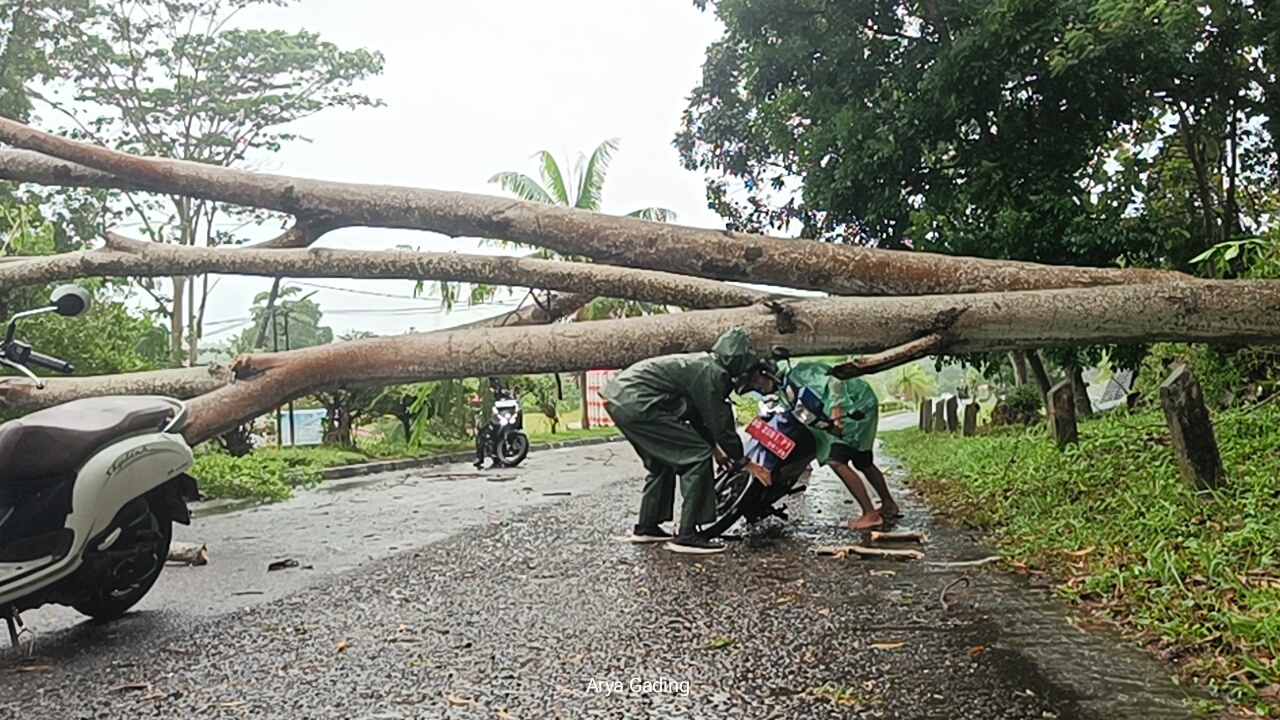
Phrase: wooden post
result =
(1193, 441)
(926, 415)
(970, 419)
(953, 404)
(1062, 414)
(940, 416)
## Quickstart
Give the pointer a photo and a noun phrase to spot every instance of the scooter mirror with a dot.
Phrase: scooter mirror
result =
(70, 300)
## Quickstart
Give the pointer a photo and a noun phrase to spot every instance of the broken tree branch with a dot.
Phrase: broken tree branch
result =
(840, 269)
(930, 344)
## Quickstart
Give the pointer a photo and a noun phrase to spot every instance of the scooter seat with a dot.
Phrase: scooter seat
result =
(58, 440)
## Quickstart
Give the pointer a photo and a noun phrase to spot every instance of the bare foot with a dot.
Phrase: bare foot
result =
(868, 521)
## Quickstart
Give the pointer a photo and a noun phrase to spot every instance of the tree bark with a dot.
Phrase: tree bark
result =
(1242, 311)
(182, 383)
(840, 269)
(1037, 368)
(123, 257)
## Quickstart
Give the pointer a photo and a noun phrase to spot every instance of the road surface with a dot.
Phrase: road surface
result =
(443, 593)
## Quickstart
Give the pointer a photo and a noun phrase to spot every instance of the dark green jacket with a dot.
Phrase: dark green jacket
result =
(690, 386)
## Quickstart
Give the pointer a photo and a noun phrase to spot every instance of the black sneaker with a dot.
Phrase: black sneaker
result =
(649, 535)
(695, 545)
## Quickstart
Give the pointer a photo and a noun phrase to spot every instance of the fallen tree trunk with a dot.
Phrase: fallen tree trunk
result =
(1222, 311)
(123, 257)
(839, 269)
(185, 383)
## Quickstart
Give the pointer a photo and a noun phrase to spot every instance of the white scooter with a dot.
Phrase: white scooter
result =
(89, 491)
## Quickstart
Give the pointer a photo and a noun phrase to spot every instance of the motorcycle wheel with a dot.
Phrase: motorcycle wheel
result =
(734, 494)
(513, 448)
(104, 605)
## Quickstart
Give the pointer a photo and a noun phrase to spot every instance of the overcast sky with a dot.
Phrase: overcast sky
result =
(476, 87)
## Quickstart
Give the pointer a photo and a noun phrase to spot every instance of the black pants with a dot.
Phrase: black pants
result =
(482, 439)
(843, 454)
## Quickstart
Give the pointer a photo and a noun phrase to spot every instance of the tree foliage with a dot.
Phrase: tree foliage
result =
(1082, 131)
(303, 324)
(1088, 132)
(177, 78)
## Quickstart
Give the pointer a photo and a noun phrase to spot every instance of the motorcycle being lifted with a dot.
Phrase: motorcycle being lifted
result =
(503, 439)
(89, 491)
(781, 440)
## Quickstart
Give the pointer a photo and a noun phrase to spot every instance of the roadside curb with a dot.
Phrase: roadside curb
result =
(349, 471)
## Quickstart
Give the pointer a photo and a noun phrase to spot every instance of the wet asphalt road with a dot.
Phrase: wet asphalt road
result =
(513, 608)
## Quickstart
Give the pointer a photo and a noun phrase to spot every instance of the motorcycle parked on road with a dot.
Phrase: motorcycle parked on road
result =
(781, 442)
(89, 491)
(506, 442)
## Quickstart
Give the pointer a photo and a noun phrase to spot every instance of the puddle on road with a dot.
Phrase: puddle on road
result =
(1025, 631)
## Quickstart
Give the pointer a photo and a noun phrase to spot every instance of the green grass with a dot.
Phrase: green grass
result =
(1112, 519)
(272, 474)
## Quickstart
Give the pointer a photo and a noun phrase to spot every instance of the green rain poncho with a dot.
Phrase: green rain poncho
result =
(848, 395)
(648, 402)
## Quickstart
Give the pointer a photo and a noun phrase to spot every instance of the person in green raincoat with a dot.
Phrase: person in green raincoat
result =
(856, 409)
(675, 412)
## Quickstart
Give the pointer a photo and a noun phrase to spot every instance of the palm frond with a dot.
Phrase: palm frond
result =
(523, 186)
(552, 178)
(591, 183)
(656, 214)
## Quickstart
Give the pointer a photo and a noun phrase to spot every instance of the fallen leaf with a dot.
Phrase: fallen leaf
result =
(157, 695)
(458, 700)
(342, 646)
(128, 687)
(882, 573)
(977, 649)
(887, 646)
(718, 643)
(282, 564)
(1082, 553)
(504, 715)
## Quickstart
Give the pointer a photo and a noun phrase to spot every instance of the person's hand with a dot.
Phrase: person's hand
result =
(759, 472)
(719, 456)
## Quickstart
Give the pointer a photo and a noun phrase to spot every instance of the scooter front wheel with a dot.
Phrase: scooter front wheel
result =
(110, 603)
(513, 448)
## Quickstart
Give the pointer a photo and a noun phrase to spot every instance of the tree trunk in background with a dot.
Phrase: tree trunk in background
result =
(1019, 360)
(1037, 367)
(586, 414)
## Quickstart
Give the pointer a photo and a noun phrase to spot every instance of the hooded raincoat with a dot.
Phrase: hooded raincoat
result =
(850, 396)
(671, 409)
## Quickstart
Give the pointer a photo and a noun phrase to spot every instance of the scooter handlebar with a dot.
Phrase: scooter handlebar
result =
(50, 362)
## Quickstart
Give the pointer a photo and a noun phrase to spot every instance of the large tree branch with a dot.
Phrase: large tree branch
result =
(185, 383)
(840, 269)
(1239, 311)
(123, 257)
